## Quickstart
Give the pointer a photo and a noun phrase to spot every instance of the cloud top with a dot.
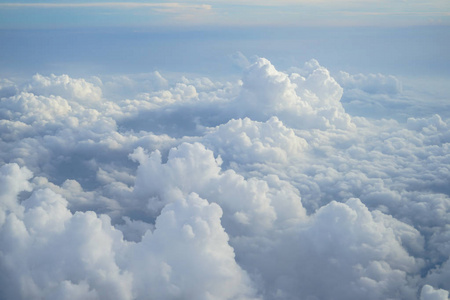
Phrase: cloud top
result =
(144, 187)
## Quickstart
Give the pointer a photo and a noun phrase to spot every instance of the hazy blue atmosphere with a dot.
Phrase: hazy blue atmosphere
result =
(411, 51)
(287, 149)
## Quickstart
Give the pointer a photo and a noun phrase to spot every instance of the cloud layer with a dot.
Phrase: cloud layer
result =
(236, 12)
(263, 188)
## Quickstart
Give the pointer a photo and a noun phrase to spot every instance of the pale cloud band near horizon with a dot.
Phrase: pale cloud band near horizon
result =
(415, 7)
(106, 4)
(239, 12)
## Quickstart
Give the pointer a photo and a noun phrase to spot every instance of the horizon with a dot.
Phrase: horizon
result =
(186, 13)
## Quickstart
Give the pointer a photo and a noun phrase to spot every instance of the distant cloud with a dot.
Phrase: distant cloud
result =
(107, 5)
(371, 83)
(286, 12)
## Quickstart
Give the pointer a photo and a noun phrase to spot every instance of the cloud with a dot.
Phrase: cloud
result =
(118, 5)
(428, 293)
(174, 11)
(241, 13)
(266, 187)
(66, 87)
(245, 141)
(249, 205)
(342, 250)
(7, 88)
(240, 60)
(386, 96)
(372, 83)
(47, 251)
(308, 101)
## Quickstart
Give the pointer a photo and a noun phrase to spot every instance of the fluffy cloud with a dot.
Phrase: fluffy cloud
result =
(428, 293)
(245, 141)
(250, 206)
(7, 88)
(309, 101)
(66, 87)
(372, 83)
(182, 188)
(343, 249)
(387, 96)
(47, 251)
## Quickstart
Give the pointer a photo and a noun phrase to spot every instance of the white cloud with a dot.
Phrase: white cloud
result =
(261, 188)
(342, 250)
(66, 87)
(309, 101)
(47, 251)
(249, 205)
(245, 141)
(428, 293)
(372, 83)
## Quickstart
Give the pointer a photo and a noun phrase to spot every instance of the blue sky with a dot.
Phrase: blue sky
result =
(199, 34)
(34, 14)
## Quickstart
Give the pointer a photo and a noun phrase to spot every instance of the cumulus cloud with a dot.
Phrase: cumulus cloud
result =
(371, 83)
(66, 87)
(245, 141)
(7, 88)
(342, 249)
(250, 205)
(388, 96)
(141, 186)
(310, 101)
(47, 251)
(428, 293)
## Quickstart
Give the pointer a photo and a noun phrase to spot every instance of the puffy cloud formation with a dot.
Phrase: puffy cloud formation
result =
(142, 187)
(373, 95)
(308, 101)
(66, 87)
(245, 141)
(428, 293)
(48, 252)
(372, 83)
(387, 96)
(250, 206)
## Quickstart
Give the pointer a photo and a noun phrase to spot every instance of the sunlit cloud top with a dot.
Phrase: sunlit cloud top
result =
(220, 12)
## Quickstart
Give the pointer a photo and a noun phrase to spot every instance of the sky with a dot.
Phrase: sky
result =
(225, 150)
(30, 14)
